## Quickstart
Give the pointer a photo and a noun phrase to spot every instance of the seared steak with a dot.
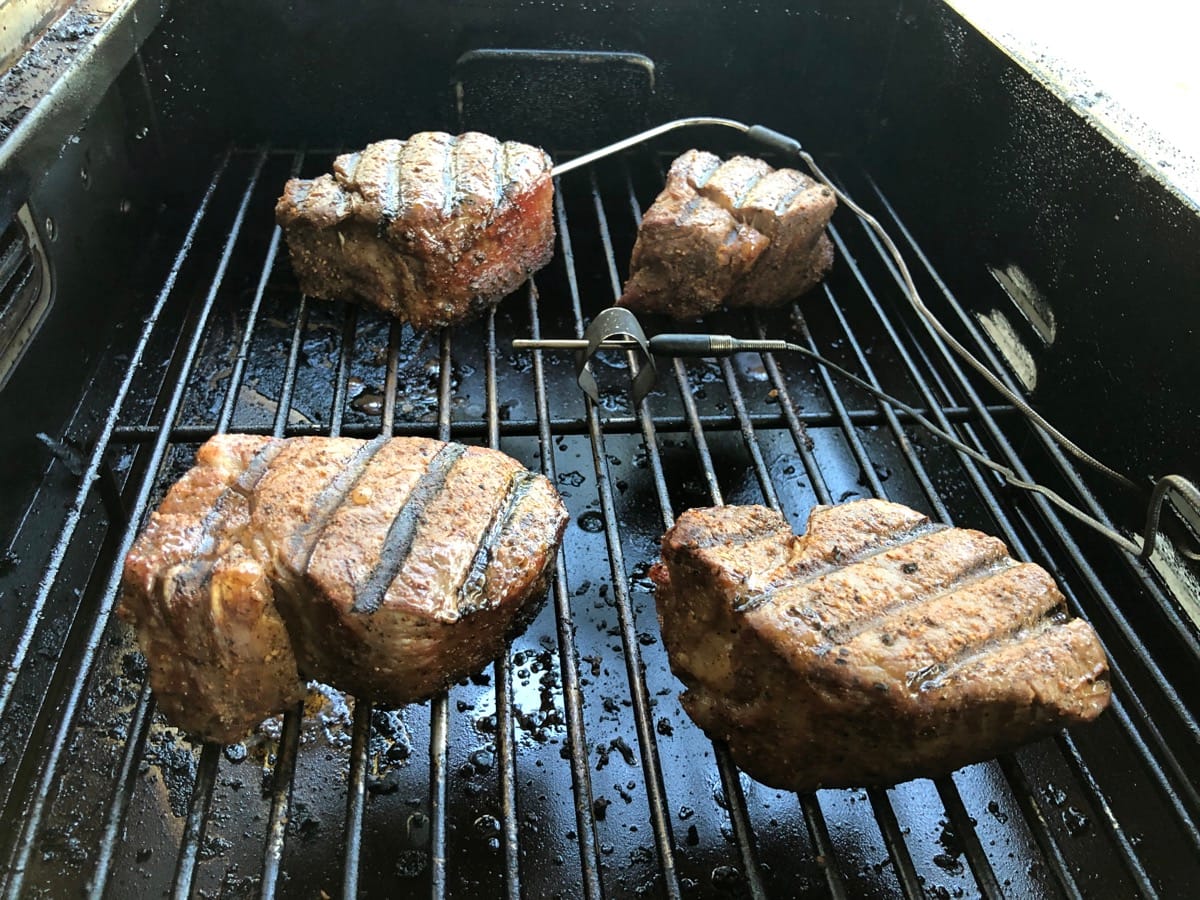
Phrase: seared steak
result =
(431, 230)
(875, 648)
(737, 233)
(387, 568)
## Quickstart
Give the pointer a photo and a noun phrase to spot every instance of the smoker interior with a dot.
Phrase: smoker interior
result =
(568, 768)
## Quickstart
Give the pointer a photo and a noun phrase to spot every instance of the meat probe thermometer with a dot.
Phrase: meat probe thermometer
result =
(618, 329)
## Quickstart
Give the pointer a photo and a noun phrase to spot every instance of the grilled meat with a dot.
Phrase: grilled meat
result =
(431, 230)
(737, 233)
(388, 568)
(221, 659)
(875, 648)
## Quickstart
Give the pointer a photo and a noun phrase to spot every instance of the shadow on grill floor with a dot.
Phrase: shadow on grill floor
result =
(567, 769)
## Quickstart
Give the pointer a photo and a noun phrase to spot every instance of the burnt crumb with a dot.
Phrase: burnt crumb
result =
(887, 638)
(388, 784)
(134, 667)
(600, 808)
(9, 562)
(909, 568)
(176, 762)
(621, 746)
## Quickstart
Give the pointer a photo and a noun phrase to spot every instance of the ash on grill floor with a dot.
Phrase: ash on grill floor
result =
(568, 768)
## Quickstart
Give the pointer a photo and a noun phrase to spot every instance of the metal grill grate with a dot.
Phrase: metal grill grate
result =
(568, 768)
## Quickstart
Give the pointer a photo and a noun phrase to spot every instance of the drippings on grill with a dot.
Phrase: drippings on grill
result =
(738, 233)
(387, 568)
(877, 647)
(432, 230)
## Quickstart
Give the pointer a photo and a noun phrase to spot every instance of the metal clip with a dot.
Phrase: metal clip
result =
(609, 324)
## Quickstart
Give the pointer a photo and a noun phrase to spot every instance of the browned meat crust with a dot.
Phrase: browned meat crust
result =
(875, 648)
(737, 233)
(431, 230)
(388, 568)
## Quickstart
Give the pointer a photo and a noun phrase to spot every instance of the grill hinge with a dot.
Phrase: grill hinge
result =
(25, 290)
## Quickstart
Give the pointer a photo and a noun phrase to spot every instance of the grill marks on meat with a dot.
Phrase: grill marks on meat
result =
(388, 568)
(403, 530)
(738, 233)
(431, 230)
(876, 647)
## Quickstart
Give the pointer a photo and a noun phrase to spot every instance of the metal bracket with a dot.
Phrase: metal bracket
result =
(617, 323)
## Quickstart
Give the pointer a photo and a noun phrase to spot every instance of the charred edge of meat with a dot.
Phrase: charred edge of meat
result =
(306, 536)
(199, 568)
(403, 530)
(472, 590)
(890, 541)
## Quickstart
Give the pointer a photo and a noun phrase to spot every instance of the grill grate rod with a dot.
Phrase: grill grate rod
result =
(1164, 603)
(1037, 822)
(1035, 816)
(893, 840)
(881, 805)
(360, 739)
(813, 815)
(90, 651)
(135, 746)
(581, 776)
(439, 706)
(281, 799)
(566, 425)
(639, 694)
(200, 801)
(202, 789)
(739, 817)
(655, 790)
(197, 819)
(283, 773)
(980, 865)
(810, 806)
(1179, 779)
(143, 710)
(96, 461)
(505, 720)
(243, 351)
(949, 794)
